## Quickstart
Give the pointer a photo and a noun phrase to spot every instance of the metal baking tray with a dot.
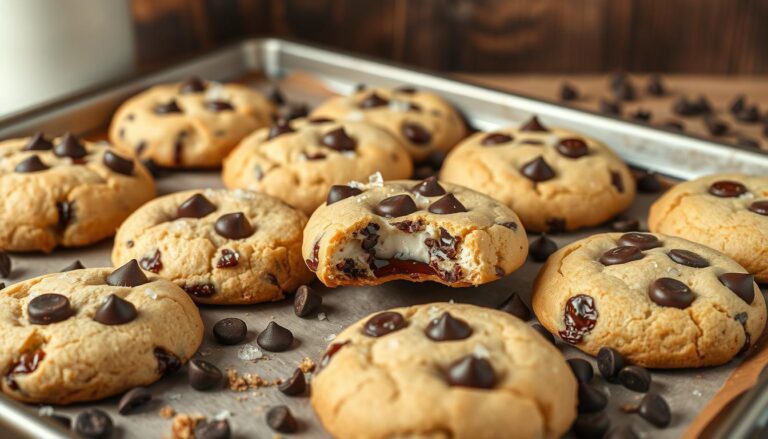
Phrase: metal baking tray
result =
(309, 74)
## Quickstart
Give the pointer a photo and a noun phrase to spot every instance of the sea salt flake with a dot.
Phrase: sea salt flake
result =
(322, 316)
(329, 337)
(241, 194)
(355, 116)
(249, 352)
(399, 105)
(222, 415)
(356, 185)
(152, 294)
(258, 173)
(215, 92)
(174, 396)
(697, 393)
(376, 180)
(349, 154)
(45, 410)
(480, 351)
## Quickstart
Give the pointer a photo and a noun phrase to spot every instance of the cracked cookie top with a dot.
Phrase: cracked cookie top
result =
(424, 122)
(61, 333)
(660, 301)
(298, 161)
(553, 178)
(66, 191)
(220, 246)
(712, 210)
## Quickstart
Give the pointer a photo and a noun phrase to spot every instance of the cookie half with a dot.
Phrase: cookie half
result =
(413, 230)
(661, 301)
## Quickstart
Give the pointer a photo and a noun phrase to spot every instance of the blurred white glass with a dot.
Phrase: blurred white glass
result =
(51, 48)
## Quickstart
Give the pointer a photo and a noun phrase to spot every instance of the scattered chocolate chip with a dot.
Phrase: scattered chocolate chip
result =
(70, 146)
(167, 362)
(625, 224)
(591, 399)
(591, 425)
(688, 258)
(5, 264)
(750, 114)
(395, 206)
(38, 142)
(295, 385)
(384, 323)
(203, 375)
(2, 285)
(641, 115)
(715, 126)
(534, 125)
(635, 378)
(748, 142)
(275, 338)
(580, 317)
(446, 205)
(654, 409)
(572, 148)
(233, 226)
(611, 108)
(415, 133)
(655, 86)
(93, 423)
(230, 331)
(727, 189)
(118, 164)
(30, 164)
(132, 399)
(624, 91)
(702, 105)
(169, 107)
(568, 92)
(295, 111)
(196, 206)
(280, 127)
(622, 432)
(621, 255)
(666, 291)
(276, 96)
(373, 100)
(471, 371)
(759, 207)
(742, 284)
(48, 308)
(229, 258)
(541, 248)
(192, 85)
(447, 328)
(738, 104)
(609, 363)
(643, 241)
(339, 140)
(649, 183)
(544, 333)
(65, 211)
(429, 187)
(152, 263)
(340, 192)
(514, 305)
(685, 107)
(537, 170)
(152, 167)
(213, 429)
(582, 369)
(306, 302)
(280, 419)
(128, 275)
(217, 106)
(115, 311)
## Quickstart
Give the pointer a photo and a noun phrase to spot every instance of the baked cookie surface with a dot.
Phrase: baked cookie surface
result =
(66, 191)
(299, 161)
(661, 301)
(443, 370)
(423, 121)
(553, 178)
(87, 334)
(193, 124)
(727, 212)
(221, 247)
(413, 230)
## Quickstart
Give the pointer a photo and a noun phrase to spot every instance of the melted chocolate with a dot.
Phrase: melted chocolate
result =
(580, 318)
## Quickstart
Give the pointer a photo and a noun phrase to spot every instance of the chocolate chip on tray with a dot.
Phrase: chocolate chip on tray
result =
(541, 248)
(625, 224)
(230, 331)
(609, 363)
(514, 305)
(568, 92)
(275, 338)
(280, 419)
(591, 425)
(648, 182)
(582, 369)
(213, 429)
(133, 399)
(203, 375)
(544, 333)
(655, 86)
(77, 265)
(93, 423)
(295, 385)
(635, 378)
(654, 409)
(591, 399)
(5, 264)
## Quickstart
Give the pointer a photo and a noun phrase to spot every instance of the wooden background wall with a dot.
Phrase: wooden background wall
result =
(563, 36)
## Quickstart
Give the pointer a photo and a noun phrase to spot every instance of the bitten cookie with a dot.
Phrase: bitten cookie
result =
(88, 334)
(194, 124)
(221, 247)
(443, 370)
(727, 212)
(412, 230)
(661, 301)
(553, 178)
(66, 192)
(424, 122)
(299, 161)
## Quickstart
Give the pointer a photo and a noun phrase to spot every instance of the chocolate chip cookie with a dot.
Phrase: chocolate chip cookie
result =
(660, 301)
(193, 124)
(66, 191)
(553, 178)
(727, 212)
(88, 334)
(413, 230)
(221, 247)
(443, 370)
(298, 161)
(425, 122)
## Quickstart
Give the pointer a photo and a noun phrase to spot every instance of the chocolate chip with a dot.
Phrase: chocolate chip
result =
(572, 148)
(152, 167)
(132, 399)
(702, 105)
(750, 114)
(339, 140)
(555, 225)
(609, 363)
(738, 104)
(306, 302)
(373, 100)
(409, 90)
(666, 291)
(383, 323)
(621, 255)
(759, 207)
(654, 409)
(281, 126)
(118, 164)
(649, 183)
(65, 211)
(727, 189)
(167, 362)
(511, 225)
(276, 96)
(446, 205)
(537, 170)
(128, 275)
(541, 248)
(38, 142)
(568, 92)
(2, 285)
(415, 133)
(340, 192)
(635, 378)
(217, 106)
(295, 385)
(471, 371)
(580, 317)
(611, 108)
(233, 226)
(496, 139)
(5, 264)
(582, 369)
(152, 263)
(229, 258)
(93, 423)
(748, 142)
(742, 284)
(192, 85)
(275, 338)
(625, 224)
(688, 258)
(514, 305)
(69, 146)
(543, 332)
(591, 425)
(685, 107)
(429, 187)
(715, 126)
(203, 375)
(617, 181)
(313, 263)
(30, 164)
(447, 328)
(655, 86)
(591, 399)
(230, 331)
(196, 206)
(280, 419)
(77, 265)
(643, 241)
(624, 91)
(295, 111)
(115, 311)
(169, 107)
(48, 308)
(395, 206)
(213, 429)
(332, 350)
(641, 115)
(534, 125)
(319, 120)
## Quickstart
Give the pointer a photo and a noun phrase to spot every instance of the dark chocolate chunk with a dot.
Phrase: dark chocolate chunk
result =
(192, 85)
(384, 323)
(750, 114)
(649, 183)
(544, 333)
(580, 317)
(415, 133)
(230, 331)
(229, 258)
(621, 255)
(65, 211)
(511, 225)
(275, 338)
(313, 263)
(582, 369)
(373, 100)
(742, 284)
(471, 371)
(591, 425)
(339, 140)
(534, 125)
(93, 423)
(643, 241)
(624, 91)
(541, 248)
(48, 308)
(30, 164)
(446, 205)
(280, 127)
(641, 115)
(635, 378)
(115, 311)
(218, 105)
(609, 363)
(572, 148)
(655, 86)
(213, 429)
(684, 107)
(339, 192)
(70, 146)
(128, 275)
(77, 265)
(38, 142)
(591, 399)
(233, 226)
(688, 258)
(203, 375)
(395, 206)
(738, 104)
(611, 108)
(118, 164)
(447, 328)
(625, 224)
(152, 263)
(538, 170)
(295, 385)
(132, 399)
(654, 409)
(715, 126)
(514, 305)
(568, 92)
(496, 139)
(759, 207)
(666, 291)
(169, 107)
(702, 105)
(167, 362)
(429, 187)
(5, 264)
(306, 302)
(152, 167)
(280, 419)
(727, 189)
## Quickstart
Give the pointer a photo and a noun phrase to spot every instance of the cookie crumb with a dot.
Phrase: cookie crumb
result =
(183, 425)
(167, 412)
(237, 383)
(307, 365)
